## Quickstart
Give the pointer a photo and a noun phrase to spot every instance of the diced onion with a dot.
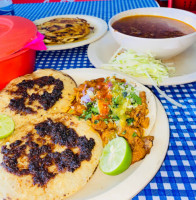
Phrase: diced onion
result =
(85, 99)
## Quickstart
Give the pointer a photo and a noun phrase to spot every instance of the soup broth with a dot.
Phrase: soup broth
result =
(150, 26)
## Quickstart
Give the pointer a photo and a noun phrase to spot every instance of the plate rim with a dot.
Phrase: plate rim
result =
(110, 194)
(177, 80)
(97, 35)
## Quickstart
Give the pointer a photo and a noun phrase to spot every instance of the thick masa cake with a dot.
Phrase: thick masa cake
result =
(50, 158)
(29, 97)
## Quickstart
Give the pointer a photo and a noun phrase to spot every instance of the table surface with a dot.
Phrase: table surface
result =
(176, 178)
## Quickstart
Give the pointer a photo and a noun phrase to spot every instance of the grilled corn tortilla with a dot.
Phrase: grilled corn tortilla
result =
(65, 182)
(29, 97)
(64, 30)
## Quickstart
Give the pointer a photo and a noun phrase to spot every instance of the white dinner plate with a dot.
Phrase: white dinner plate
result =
(102, 50)
(138, 175)
(99, 25)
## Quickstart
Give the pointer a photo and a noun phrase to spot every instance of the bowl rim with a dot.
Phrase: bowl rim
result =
(153, 8)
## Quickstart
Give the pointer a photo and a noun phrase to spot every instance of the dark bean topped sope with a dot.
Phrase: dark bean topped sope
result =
(150, 26)
(40, 155)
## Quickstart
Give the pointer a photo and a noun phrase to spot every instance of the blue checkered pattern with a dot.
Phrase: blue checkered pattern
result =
(176, 178)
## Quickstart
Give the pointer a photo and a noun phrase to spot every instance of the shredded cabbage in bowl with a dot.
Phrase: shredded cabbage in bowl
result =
(136, 64)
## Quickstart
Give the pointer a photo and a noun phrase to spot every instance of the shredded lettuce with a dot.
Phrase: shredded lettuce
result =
(136, 64)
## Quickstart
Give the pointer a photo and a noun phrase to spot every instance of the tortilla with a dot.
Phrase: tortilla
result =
(64, 30)
(29, 97)
(64, 182)
(118, 107)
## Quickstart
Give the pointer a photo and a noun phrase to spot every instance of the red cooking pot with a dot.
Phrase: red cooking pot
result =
(15, 33)
(15, 65)
(185, 4)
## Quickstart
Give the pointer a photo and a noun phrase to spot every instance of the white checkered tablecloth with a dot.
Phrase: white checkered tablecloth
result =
(176, 178)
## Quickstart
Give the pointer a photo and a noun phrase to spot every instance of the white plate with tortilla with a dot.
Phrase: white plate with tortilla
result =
(101, 51)
(126, 185)
(99, 29)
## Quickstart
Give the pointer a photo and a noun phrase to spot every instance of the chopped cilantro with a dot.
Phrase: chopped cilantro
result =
(96, 121)
(106, 120)
(88, 116)
(136, 98)
(95, 110)
(115, 102)
(115, 105)
(134, 134)
(89, 105)
(106, 80)
(124, 132)
(89, 111)
(115, 118)
(129, 121)
(110, 111)
(71, 111)
(121, 83)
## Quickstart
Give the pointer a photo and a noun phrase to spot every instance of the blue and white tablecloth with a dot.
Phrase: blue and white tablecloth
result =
(176, 178)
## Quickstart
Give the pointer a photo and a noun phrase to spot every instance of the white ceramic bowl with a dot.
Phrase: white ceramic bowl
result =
(160, 48)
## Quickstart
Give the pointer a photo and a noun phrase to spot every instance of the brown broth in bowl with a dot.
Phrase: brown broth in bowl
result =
(150, 26)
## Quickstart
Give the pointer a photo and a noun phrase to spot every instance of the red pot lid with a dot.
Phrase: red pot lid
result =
(15, 32)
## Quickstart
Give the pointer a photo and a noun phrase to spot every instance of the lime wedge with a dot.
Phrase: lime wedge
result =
(116, 157)
(6, 126)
